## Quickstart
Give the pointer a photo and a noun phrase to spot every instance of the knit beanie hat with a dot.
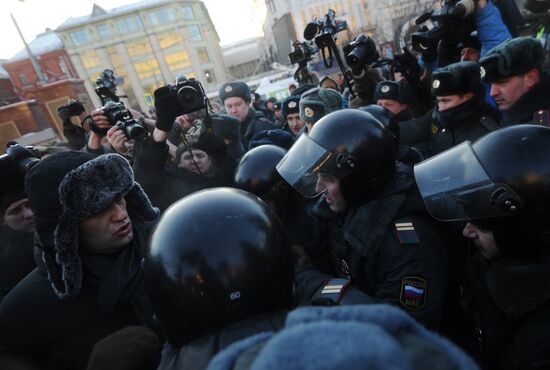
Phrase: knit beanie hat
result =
(65, 189)
(211, 144)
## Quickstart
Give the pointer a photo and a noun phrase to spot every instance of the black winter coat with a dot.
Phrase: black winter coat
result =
(254, 123)
(391, 249)
(527, 108)
(510, 302)
(431, 138)
(16, 258)
(60, 335)
(165, 185)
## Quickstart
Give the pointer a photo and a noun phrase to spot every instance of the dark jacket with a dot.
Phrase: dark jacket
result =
(165, 184)
(60, 335)
(390, 248)
(527, 107)
(432, 137)
(16, 258)
(197, 354)
(510, 302)
(255, 122)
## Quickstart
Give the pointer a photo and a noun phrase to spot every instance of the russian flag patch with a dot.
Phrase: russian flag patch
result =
(413, 292)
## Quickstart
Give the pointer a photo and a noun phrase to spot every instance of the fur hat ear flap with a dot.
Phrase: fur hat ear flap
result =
(139, 206)
(66, 255)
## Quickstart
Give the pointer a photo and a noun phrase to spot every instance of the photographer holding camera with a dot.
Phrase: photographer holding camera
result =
(200, 164)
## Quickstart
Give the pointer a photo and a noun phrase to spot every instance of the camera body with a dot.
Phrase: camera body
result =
(106, 86)
(118, 114)
(360, 52)
(452, 23)
(302, 53)
(190, 95)
(22, 157)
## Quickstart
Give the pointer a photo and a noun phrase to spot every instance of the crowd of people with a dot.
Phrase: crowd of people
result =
(398, 226)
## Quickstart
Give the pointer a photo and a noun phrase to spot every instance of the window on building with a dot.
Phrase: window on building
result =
(24, 80)
(195, 33)
(161, 16)
(178, 61)
(129, 24)
(80, 37)
(169, 39)
(103, 31)
(147, 68)
(138, 46)
(63, 66)
(209, 76)
(187, 12)
(203, 55)
(90, 59)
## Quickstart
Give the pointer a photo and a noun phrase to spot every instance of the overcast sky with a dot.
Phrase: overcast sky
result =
(233, 19)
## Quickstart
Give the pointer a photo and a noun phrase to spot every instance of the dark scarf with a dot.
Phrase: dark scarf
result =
(118, 277)
(538, 98)
(460, 114)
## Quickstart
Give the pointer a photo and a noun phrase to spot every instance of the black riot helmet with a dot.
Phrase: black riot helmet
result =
(256, 171)
(501, 183)
(350, 145)
(216, 257)
(385, 117)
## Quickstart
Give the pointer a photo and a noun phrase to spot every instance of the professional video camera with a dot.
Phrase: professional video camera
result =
(114, 110)
(19, 157)
(452, 23)
(302, 53)
(324, 32)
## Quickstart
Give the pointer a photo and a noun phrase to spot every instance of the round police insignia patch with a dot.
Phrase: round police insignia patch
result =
(436, 84)
(309, 112)
(228, 88)
(292, 104)
(385, 89)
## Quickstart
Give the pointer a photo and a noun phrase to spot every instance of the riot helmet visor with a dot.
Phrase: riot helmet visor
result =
(455, 186)
(306, 160)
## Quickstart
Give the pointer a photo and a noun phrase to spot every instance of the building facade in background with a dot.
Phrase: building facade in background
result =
(147, 44)
(247, 58)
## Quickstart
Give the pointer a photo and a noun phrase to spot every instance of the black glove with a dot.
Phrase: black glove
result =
(407, 64)
(167, 107)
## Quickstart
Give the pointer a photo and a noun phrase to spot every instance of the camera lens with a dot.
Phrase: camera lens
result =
(136, 132)
(188, 97)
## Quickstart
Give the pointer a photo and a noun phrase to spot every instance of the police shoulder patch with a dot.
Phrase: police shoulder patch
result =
(404, 229)
(413, 292)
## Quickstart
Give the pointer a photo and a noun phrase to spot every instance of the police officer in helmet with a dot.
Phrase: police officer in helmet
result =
(373, 223)
(219, 269)
(500, 185)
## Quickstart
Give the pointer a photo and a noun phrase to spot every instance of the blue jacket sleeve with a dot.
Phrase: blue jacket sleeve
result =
(491, 29)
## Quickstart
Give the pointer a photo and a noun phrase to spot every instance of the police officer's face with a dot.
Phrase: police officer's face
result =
(198, 162)
(295, 123)
(19, 216)
(507, 92)
(469, 55)
(451, 101)
(392, 105)
(278, 113)
(108, 231)
(483, 239)
(236, 107)
(330, 187)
